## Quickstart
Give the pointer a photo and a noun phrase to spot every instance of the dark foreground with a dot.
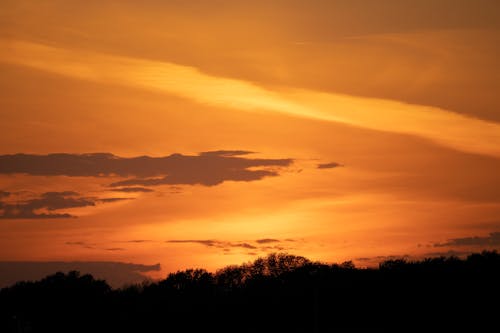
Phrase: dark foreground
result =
(280, 293)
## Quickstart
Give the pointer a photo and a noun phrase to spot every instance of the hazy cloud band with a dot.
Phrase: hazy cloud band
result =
(441, 126)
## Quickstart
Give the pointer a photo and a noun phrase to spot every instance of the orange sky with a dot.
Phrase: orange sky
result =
(338, 130)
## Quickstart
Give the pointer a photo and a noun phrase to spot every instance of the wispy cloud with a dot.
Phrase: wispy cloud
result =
(93, 246)
(81, 244)
(214, 243)
(441, 126)
(267, 240)
(206, 242)
(132, 189)
(328, 165)
(137, 241)
(46, 205)
(259, 244)
(105, 200)
(208, 168)
(493, 239)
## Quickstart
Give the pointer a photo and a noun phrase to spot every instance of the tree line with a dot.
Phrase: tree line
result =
(278, 293)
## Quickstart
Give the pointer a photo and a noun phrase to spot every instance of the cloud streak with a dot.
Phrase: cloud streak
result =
(209, 168)
(441, 126)
(493, 239)
(132, 190)
(328, 165)
(262, 245)
(215, 243)
(44, 207)
(82, 244)
(267, 240)
(94, 246)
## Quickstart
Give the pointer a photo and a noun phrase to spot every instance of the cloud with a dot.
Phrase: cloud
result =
(200, 178)
(259, 244)
(383, 258)
(328, 165)
(442, 126)
(132, 189)
(266, 240)
(138, 241)
(85, 245)
(226, 153)
(208, 168)
(244, 245)
(44, 206)
(450, 253)
(115, 273)
(492, 240)
(48, 202)
(94, 246)
(105, 200)
(206, 242)
(376, 260)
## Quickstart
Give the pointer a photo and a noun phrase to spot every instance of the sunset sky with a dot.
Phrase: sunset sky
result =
(209, 133)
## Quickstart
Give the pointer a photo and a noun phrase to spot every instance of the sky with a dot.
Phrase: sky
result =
(209, 133)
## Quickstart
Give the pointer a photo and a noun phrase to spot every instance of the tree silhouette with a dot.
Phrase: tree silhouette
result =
(278, 293)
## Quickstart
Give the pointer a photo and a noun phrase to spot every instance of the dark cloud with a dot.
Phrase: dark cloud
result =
(4, 194)
(244, 245)
(201, 177)
(363, 259)
(266, 240)
(382, 258)
(259, 244)
(58, 200)
(93, 246)
(275, 248)
(376, 260)
(138, 241)
(85, 245)
(492, 240)
(105, 200)
(206, 242)
(328, 165)
(450, 253)
(115, 273)
(208, 168)
(48, 202)
(226, 153)
(132, 189)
